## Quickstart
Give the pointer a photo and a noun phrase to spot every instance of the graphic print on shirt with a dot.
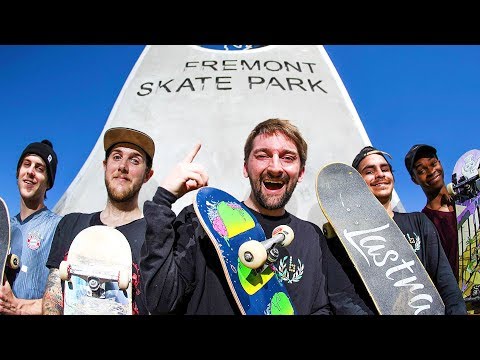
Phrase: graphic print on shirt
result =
(34, 240)
(414, 241)
(289, 270)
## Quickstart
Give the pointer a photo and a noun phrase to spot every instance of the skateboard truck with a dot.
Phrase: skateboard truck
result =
(94, 282)
(464, 188)
(258, 255)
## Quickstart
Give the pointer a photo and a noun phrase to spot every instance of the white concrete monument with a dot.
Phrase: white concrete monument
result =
(184, 94)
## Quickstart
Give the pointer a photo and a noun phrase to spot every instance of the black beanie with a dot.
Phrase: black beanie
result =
(43, 149)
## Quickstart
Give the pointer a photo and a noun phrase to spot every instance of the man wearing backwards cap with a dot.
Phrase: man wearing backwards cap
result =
(127, 165)
(32, 231)
(420, 232)
(426, 170)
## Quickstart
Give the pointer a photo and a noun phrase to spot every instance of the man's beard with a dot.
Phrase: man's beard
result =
(122, 196)
(269, 202)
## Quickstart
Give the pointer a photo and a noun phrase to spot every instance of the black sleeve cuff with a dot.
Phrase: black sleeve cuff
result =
(164, 197)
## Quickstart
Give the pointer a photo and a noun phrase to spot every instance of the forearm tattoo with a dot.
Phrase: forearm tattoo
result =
(52, 303)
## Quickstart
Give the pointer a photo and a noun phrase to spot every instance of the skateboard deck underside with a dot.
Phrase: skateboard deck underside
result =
(229, 224)
(97, 253)
(467, 209)
(392, 273)
(469, 257)
(4, 236)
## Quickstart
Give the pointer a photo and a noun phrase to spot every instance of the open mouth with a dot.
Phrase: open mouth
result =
(273, 185)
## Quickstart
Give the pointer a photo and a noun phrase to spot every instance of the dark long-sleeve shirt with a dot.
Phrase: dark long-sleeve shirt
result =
(182, 272)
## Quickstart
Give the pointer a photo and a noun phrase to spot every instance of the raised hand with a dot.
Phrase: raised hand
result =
(186, 175)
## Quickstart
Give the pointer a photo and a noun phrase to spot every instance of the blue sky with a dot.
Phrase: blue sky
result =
(404, 95)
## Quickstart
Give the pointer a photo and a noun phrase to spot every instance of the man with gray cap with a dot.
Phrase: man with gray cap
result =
(32, 231)
(127, 166)
(376, 170)
(426, 170)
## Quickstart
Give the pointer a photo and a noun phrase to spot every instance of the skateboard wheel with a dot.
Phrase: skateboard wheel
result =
(64, 270)
(450, 189)
(328, 231)
(286, 231)
(252, 254)
(123, 280)
(13, 261)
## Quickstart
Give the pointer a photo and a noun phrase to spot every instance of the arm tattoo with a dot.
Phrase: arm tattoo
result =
(52, 303)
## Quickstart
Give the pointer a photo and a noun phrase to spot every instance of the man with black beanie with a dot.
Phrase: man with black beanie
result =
(32, 231)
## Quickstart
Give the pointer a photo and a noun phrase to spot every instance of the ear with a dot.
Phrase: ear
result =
(245, 170)
(302, 174)
(414, 180)
(104, 165)
(148, 176)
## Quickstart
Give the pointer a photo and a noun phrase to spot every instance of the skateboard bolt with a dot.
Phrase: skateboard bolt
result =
(94, 284)
(272, 255)
(248, 256)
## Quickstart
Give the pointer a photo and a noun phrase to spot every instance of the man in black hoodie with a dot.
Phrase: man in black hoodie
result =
(179, 265)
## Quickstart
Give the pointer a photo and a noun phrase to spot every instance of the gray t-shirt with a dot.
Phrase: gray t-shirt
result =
(31, 240)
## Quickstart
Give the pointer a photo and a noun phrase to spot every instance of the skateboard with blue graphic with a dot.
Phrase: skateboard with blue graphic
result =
(390, 270)
(98, 273)
(6, 259)
(247, 257)
(465, 190)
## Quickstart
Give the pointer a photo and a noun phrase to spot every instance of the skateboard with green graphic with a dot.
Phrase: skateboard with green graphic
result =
(247, 257)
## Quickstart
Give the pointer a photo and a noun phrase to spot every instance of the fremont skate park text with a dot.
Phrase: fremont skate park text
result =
(284, 77)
